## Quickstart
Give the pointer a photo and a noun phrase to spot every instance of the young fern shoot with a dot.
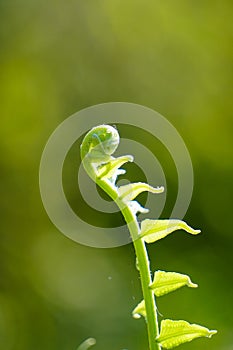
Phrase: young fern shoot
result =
(97, 150)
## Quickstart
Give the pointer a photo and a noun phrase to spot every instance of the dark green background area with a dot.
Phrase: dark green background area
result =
(58, 57)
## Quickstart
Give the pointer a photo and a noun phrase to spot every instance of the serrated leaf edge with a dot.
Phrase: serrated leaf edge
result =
(156, 284)
(163, 229)
(167, 323)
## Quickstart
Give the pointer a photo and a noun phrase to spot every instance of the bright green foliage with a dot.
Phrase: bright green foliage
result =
(99, 143)
(96, 151)
(131, 191)
(153, 230)
(174, 333)
(109, 169)
(140, 310)
(166, 282)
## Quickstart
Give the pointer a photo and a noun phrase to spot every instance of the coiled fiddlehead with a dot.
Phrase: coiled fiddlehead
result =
(100, 143)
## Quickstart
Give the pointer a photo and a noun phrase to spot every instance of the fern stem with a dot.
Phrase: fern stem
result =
(143, 264)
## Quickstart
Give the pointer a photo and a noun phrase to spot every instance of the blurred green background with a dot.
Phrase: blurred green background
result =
(58, 57)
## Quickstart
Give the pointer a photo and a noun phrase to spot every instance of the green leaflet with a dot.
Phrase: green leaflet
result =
(153, 230)
(174, 333)
(166, 282)
(109, 169)
(140, 310)
(87, 344)
(131, 191)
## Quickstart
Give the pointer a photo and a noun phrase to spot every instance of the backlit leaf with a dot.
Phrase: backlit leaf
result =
(140, 310)
(166, 282)
(131, 191)
(153, 230)
(109, 169)
(174, 333)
